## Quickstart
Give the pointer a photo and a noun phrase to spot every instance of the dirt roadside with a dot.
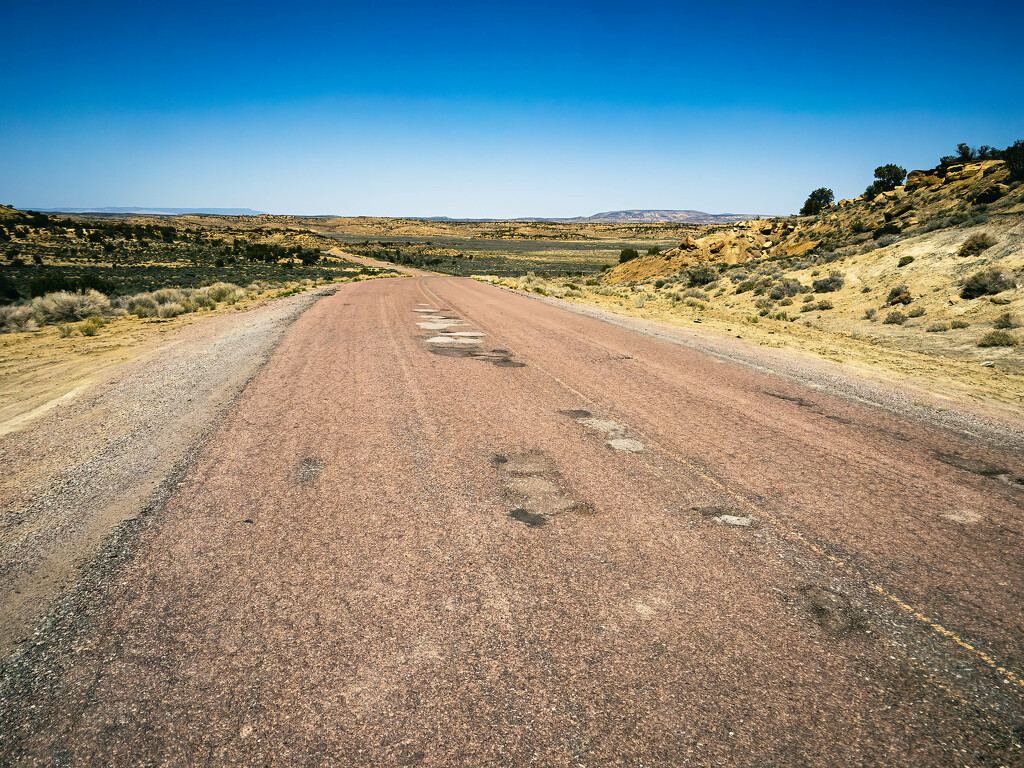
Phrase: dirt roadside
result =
(126, 410)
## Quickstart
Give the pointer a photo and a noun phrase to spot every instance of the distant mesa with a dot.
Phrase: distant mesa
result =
(676, 217)
(159, 211)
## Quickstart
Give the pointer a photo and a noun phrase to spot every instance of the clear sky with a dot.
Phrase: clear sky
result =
(493, 109)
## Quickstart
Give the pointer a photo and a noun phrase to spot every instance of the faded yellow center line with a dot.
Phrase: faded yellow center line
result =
(933, 625)
(792, 533)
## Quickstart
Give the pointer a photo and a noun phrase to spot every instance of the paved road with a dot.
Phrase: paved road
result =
(450, 525)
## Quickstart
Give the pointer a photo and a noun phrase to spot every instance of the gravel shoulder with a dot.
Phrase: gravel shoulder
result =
(97, 456)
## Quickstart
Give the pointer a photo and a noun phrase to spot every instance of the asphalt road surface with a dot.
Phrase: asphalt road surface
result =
(450, 525)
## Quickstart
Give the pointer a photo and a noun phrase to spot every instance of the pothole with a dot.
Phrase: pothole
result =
(790, 399)
(450, 339)
(501, 358)
(615, 432)
(534, 489)
(308, 470)
(963, 516)
(438, 325)
(968, 464)
(527, 517)
(575, 413)
(830, 610)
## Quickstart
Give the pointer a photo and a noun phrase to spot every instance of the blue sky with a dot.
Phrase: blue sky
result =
(493, 110)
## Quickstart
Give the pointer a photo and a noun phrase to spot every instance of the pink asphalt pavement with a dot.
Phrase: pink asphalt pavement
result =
(449, 525)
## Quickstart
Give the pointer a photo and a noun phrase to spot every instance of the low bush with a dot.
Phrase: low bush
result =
(1006, 321)
(657, 283)
(986, 283)
(784, 289)
(871, 314)
(218, 291)
(937, 328)
(695, 293)
(905, 260)
(916, 312)
(702, 275)
(170, 309)
(900, 294)
(998, 339)
(62, 306)
(957, 324)
(895, 318)
(168, 296)
(15, 318)
(628, 254)
(976, 243)
(825, 304)
(142, 305)
(91, 326)
(833, 282)
(744, 286)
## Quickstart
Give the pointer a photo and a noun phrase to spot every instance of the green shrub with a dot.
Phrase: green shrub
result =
(628, 254)
(702, 275)
(976, 243)
(905, 260)
(985, 283)
(825, 304)
(833, 282)
(745, 286)
(91, 326)
(895, 318)
(998, 339)
(819, 199)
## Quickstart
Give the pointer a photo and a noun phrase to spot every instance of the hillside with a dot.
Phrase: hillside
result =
(924, 278)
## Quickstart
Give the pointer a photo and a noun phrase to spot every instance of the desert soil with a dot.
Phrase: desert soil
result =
(448, 524)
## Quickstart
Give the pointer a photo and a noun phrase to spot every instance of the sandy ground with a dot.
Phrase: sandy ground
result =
(447, 524)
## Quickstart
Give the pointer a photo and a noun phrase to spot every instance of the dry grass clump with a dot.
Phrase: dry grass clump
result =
(937, 327)
(986, 283)
(998, 339)
(16, 318)
(64, 306)
(895, 318)
(170, 309)
(1006, 321)
(976, 243)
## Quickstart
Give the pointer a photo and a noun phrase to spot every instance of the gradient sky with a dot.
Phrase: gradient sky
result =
(493, 110)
